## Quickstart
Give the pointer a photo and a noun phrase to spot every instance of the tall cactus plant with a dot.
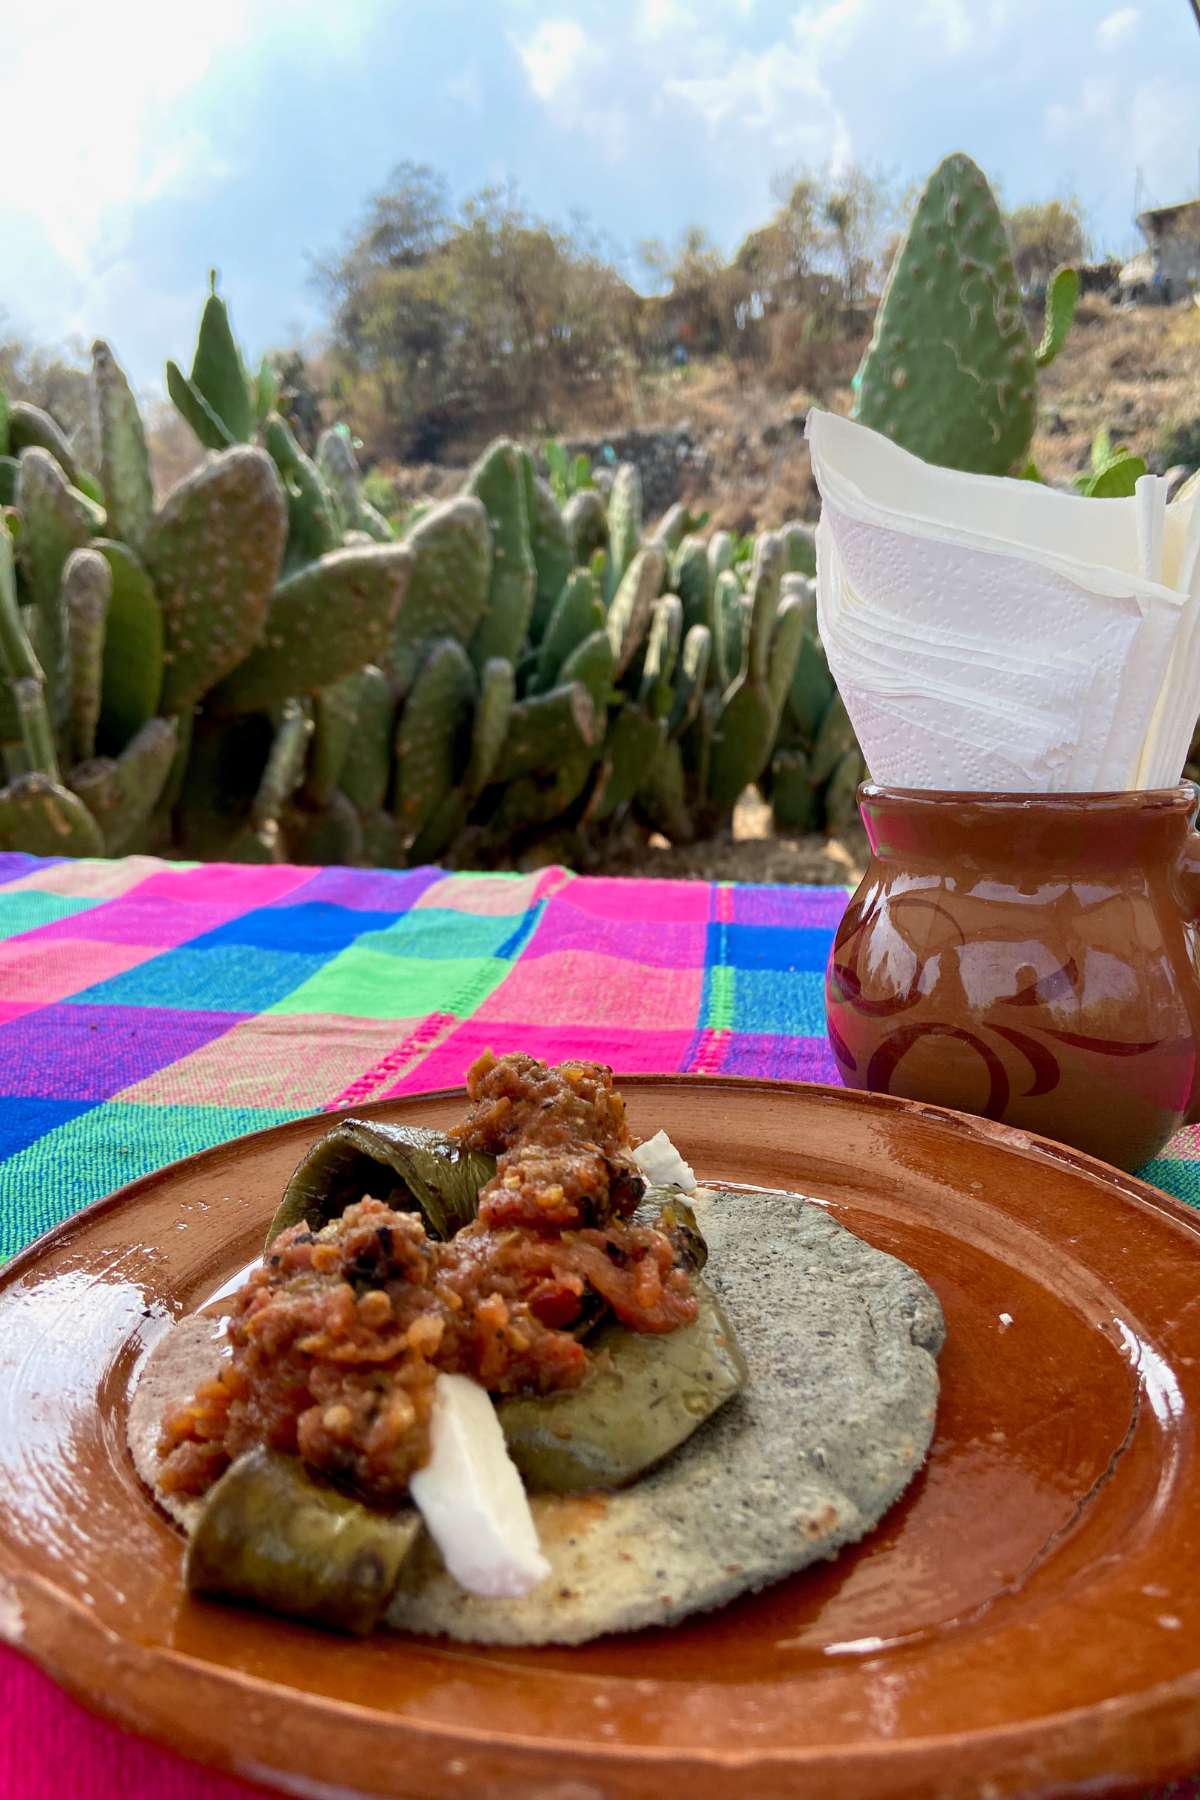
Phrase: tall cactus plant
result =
(951, 370)
(243, 670)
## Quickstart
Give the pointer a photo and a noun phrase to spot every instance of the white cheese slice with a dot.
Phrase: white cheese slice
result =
(662, 1165)
(471, 1497)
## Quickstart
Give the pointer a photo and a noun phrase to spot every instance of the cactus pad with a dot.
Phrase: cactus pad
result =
(690, 677)
(322, 623)
(662, 798)
(546, 730)
(448, 589)
(690, 580)
(284, 769)
(213, 554)
(39, 816)
(124, 459)
(489, 729)
(592, 663)
(729, 628)
(634, 742)
(799, 549)
(586, 524)
(841, 793)
(366, 771)
(578, 612)
(194, 409)
(629, 613)
(553, 551)
(335, 720)
(218, 372)
(794, 799)
(433, 736)
(949, 373)
(741, 742)
(339, 466)
(624, 523)
(327, 835)
(312, 520)
(132, 680)
(86, 593)
(29, 428)
(122, 794)
(835, 735)
(720, 556)
(53, 523)
(498, 480)
(762, 600)
(662, 653)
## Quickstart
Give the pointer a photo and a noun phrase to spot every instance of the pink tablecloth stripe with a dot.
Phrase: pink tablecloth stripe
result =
(51, 1748)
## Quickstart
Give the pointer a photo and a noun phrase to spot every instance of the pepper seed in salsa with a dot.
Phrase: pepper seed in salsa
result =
(338, 1339)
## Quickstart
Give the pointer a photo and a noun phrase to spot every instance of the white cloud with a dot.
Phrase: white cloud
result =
(822, 30)
(573, 78)
(554, 57)
(114, 119)
(776, 95)
(953, 21)
(660, 18)
(1096, 100)
(1117, 27)
(113, 138)
(467, 88)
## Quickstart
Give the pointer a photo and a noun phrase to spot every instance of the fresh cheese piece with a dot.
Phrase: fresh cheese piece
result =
(470, 1496)
(662, 1165)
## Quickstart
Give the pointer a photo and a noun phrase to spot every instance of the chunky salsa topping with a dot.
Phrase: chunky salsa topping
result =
(338, 1338)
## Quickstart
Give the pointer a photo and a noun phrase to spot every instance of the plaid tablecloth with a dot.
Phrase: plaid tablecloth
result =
(148, 1010)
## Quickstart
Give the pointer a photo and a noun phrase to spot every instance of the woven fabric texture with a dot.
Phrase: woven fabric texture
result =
(150, 1009)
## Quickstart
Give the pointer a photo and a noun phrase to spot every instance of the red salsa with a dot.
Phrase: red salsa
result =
(338, 1338)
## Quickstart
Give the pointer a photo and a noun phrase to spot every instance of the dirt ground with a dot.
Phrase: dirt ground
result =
(750, 851)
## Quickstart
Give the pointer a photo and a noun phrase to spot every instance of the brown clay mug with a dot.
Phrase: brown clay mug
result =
(1027, 957)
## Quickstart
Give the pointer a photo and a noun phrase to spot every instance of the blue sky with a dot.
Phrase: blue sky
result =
(146, 141)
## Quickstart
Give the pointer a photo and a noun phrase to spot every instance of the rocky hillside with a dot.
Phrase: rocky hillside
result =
(726, 441)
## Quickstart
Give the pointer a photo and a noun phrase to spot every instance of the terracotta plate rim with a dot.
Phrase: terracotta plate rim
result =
(985, 1131)
(614, 1756)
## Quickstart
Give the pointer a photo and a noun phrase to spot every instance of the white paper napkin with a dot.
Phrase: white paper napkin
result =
(990, 633)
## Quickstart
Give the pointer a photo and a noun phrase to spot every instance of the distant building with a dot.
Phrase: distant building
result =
(1169, 268)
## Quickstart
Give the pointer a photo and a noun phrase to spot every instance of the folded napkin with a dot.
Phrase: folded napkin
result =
(994, 633)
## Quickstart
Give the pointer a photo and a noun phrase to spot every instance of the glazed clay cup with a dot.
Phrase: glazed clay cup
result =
(1030, 958)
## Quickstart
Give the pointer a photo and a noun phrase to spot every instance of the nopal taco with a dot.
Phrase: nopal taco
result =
(526, 1383)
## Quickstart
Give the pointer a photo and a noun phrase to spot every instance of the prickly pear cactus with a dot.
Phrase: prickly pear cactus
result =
(124, 459)
(816, 766)
(950, 373)
(313, 528)
(30, 428)
(215, 398)
(40, 816)
(321, 624)
(498, 480)
(132, 666)
(54, 523)
(214, 553)
(249, 673)
(624, 522)
(451, 551)
(433, 737)
(551, 546)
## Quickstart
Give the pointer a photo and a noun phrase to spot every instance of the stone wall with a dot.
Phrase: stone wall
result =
(670, 459)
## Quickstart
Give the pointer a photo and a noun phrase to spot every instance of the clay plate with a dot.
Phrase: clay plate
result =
(1026, 1620)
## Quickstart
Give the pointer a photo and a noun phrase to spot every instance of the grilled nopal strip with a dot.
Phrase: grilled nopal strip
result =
(412, 1169)
(646, 1394)
(270, 1533)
